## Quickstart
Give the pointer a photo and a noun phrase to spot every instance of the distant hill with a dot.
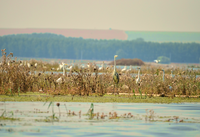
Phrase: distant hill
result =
(86, 34)
(113, 34)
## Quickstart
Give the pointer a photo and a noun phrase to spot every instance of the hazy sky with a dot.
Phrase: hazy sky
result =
(139, 15)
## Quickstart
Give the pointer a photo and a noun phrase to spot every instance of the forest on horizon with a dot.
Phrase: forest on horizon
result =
(47, 45)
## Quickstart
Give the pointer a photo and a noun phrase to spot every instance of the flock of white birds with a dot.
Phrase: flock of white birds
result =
(64, 67)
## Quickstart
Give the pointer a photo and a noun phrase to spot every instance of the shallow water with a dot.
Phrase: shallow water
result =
(83, 126)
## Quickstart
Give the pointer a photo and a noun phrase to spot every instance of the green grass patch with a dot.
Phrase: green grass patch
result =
(107, 98)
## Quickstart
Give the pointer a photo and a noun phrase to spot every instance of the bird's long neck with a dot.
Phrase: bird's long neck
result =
(114, 65)
(139, 73)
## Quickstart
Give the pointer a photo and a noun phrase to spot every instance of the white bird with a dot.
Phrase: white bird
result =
(64, 68)
(124, 69)
(129, 69)
(88, 65)
(35, 64)
(102, 67)
(29, 65)
(138, 79)
(82, 66)
(21, 63)
(59, 80)
(70, 68)
(61, 65)
(156, 61)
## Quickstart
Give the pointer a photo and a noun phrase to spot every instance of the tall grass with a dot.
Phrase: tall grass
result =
(17, 79)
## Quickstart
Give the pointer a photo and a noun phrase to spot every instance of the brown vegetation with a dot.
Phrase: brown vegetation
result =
(16, 78)
(133, 62)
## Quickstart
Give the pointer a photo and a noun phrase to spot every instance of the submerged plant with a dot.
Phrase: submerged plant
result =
(58, 104)
(134, 93)
(91, 111)
(52, 106)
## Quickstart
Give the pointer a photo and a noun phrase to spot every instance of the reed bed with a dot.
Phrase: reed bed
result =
(17, 78)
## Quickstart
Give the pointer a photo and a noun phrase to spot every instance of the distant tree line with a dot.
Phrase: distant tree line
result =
(46, 45)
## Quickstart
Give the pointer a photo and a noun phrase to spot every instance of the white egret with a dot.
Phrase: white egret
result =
(129, 69)
(29, 65)
(21, 63)
(102, 67)
(115, 74)
(124, 69)
(59, 80)
(70, 68)
(156, 61)
(138, 79)
(61, 65)
(88, 65)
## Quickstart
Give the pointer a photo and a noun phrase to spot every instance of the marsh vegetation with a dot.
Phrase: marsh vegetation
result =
(17, 77)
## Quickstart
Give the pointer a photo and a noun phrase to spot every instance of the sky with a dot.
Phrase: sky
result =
(129, 15)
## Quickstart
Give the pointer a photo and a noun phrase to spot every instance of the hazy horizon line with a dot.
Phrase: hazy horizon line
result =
(108, 29)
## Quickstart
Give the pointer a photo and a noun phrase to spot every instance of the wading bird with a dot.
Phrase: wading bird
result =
(102, 67)
(156, 61)
(163, 75)
(35, 65)
(70, 68)
(59, 80)
(115, 74)
(124, 69)
(138, 79)
(129, 69)
(29, 65)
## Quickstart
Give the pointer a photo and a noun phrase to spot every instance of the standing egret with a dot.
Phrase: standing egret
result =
(61, 65)
(138, 79)
(59, 80)
(163, 75)
(115, 74)
(21, 63)
(70, 68)
(124, 69)
(102, 67)
(129, 69)
(29, 65)
(88, 65)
